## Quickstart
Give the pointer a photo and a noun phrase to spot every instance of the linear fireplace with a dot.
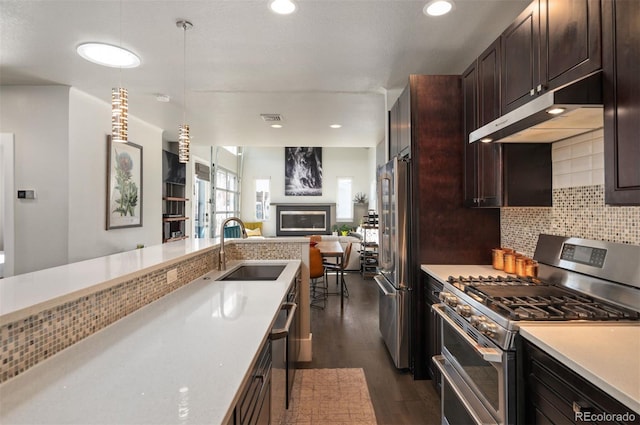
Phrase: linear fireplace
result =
(303, 220)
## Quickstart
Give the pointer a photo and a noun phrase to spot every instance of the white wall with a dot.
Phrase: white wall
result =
(7, 205)
(39, 118)
(268, 163)
(89, 125)
(60, 151)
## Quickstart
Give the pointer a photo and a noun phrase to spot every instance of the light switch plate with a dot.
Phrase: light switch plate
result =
(27, 194)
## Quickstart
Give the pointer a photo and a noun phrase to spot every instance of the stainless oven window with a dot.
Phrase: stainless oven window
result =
(483, 374)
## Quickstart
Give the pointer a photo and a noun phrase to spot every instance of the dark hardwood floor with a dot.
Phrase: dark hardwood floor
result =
(352, 340)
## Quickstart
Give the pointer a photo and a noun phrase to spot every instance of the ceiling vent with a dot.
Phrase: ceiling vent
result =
(271, 117)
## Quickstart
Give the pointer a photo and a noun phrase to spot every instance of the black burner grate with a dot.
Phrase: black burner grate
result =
(531, 299)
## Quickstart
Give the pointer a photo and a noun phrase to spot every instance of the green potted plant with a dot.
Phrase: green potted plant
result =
(345, 229)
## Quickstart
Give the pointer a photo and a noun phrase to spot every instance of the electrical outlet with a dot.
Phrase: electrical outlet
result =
(172, 275)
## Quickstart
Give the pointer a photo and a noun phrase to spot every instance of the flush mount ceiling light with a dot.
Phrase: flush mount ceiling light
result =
(335, 126)
(282, 7)
(108, 55)
(184, 139)
(438, 7)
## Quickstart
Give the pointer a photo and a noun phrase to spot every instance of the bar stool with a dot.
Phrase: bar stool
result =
(318, 279)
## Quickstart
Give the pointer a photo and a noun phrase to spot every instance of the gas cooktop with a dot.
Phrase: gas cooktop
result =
(528, 298)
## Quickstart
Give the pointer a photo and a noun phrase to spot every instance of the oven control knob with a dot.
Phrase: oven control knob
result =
(449, 299)
(488, 329)
(463, 310)
(476, 321)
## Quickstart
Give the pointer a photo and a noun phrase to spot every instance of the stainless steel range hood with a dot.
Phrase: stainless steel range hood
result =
(581, 105)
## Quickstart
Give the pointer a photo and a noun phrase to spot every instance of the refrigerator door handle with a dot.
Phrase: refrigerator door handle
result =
(383, 285)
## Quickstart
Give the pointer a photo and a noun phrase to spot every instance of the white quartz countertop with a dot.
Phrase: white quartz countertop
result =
(607, 355)
(181, 359)
(29, 293)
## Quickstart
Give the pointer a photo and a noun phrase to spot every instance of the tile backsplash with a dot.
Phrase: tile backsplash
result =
(578, 202)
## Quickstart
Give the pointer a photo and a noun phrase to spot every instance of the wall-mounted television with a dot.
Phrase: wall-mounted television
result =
(172, 170)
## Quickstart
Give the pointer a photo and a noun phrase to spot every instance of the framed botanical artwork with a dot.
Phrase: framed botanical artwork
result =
(303, 171)
(124, 185)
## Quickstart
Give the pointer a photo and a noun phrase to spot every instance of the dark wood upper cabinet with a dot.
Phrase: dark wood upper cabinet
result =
(499, 175)
(550, 44)
(520, 59)
(571, 45)
(489, 66)
(481, 100)
(404, 142)
(621, 67)
(400, 126)
(394, 130)
(470, 123)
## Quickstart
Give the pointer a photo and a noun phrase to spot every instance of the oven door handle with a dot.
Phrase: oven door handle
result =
(282, 332)
(482, 417)
(487, 353)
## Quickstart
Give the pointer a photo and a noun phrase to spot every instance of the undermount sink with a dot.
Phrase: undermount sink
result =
(255, 272)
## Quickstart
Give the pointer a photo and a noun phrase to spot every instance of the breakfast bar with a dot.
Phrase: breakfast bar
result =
(181, 359)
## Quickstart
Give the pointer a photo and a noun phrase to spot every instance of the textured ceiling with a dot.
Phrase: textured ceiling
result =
(330, 62)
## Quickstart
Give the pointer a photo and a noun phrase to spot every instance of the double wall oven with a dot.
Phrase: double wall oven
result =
(579, 280)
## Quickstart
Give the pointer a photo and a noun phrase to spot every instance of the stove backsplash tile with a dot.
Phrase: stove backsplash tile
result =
(577, 211)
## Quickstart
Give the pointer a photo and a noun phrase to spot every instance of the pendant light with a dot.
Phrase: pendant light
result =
(119, 105)
(184, 140)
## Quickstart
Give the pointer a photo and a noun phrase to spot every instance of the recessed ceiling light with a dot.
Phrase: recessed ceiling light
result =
(438, 7)
(555, 111)
(276, 125)
(335, 126)
(283, 7)
(108, 55)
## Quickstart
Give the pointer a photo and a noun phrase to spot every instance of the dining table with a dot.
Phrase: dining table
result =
(333, 249)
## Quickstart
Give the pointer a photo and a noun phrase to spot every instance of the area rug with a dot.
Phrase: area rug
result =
(330, 396)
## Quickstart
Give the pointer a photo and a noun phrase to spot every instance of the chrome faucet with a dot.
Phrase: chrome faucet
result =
(222, 261)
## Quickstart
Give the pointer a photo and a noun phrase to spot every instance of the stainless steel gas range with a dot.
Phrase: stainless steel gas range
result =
(578, 280)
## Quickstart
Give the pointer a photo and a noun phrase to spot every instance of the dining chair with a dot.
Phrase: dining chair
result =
(340, 268)
(318, 279)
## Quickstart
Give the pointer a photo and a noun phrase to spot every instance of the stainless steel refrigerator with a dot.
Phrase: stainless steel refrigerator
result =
(393, 279)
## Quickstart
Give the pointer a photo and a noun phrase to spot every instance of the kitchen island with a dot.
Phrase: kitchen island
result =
(181, 359)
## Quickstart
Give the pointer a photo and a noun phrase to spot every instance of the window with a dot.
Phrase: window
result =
(263, 199)
(344, 210)
(226, 196)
